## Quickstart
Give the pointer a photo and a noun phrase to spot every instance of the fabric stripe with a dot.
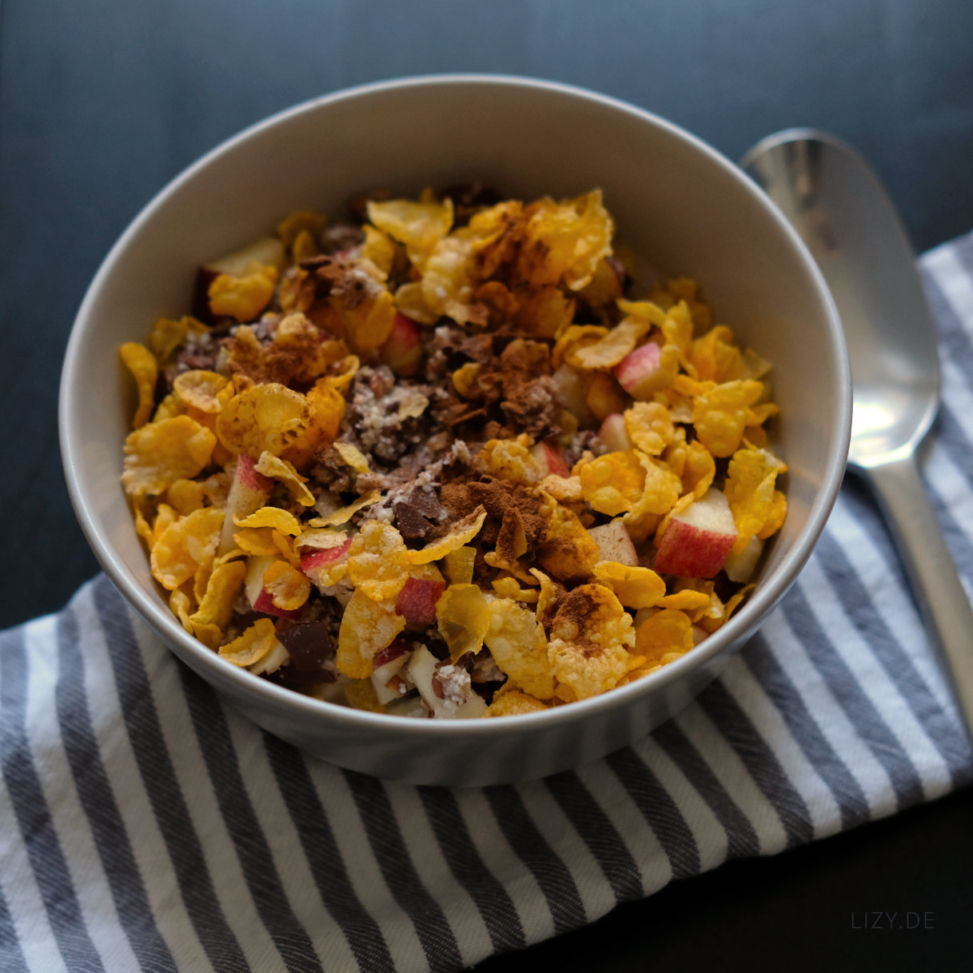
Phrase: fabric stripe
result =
(741, 838)
(469, 869)
(378, 816)
(759, 760)
(98, 801)
(856, 704)
(325, 859)
(159, 779)
(598, 833)
(503, 861)
(851, 802)
(550, 872)
(25, 902)
(939, 726)
(12, 958)
(865, 536)
(659, 811)
(209, 722)
(30, 807)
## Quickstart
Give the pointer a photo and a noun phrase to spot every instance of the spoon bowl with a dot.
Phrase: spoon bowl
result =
(841, 211)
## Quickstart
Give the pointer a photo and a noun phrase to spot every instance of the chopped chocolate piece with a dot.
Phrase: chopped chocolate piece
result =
(411, 523)
(310, 644)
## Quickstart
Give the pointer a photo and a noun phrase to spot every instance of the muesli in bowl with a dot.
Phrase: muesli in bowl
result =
(448, 458)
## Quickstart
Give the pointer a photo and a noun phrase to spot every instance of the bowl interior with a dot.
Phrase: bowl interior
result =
(679, 205)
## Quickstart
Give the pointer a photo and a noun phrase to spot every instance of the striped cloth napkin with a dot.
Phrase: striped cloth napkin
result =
(145, 826)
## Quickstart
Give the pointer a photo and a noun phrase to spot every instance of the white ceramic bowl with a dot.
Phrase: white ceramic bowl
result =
(676, 202)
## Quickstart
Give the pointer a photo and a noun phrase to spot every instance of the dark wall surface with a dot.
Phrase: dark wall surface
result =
(103, 101)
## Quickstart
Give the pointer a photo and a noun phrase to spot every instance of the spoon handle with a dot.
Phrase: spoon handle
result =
(937, 586)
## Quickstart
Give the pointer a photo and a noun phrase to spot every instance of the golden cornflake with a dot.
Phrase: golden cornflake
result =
(463, 617)
(459, 565)
(159, 453)
(216, 606)
(184, 545)
(563, 242)
(257, 642)
(514, 703)
(568, 552)
(751, 476)
(288, 587)
(613, 483)
(246, 296)
(591, 641)
(420, 226)
(145, 370)
(352, 456)
(517, 642)
(378, 561)
(367, 627)
(666, 633)
(636, 587)
(263, 418)
(274, 517)
(200, 390)
(510, 459)
(613, 347)
(279, 469)
(720, 414)
(648, 426)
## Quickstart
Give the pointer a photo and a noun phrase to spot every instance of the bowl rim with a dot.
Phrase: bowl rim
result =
(271, 696)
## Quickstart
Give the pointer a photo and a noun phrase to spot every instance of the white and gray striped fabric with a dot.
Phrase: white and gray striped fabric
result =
(147, 827)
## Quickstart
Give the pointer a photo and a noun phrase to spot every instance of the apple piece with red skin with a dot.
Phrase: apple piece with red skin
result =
(388, 663)
(402, 350)
(615, 544)
(314, 559)
(740, 567)
(614, 434)
(249, 491)
(550, 459)
(638, 372)
(417, 600)
(259, 597)
(698, 540)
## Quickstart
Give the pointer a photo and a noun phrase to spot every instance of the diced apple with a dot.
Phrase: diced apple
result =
(249, 491)
(388, 663)
(260, 599)
(402, 350)
(314, 561)
(550, 459)
(615, 544)
(638, 372)
(417, 600)
(740, 567)
(422, 671)
(698, 541)
(574, 390)
(614, 434)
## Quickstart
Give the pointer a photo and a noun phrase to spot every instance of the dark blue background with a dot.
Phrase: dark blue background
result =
(103, 101)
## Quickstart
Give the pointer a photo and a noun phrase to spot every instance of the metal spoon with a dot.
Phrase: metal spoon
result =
(850, 225)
